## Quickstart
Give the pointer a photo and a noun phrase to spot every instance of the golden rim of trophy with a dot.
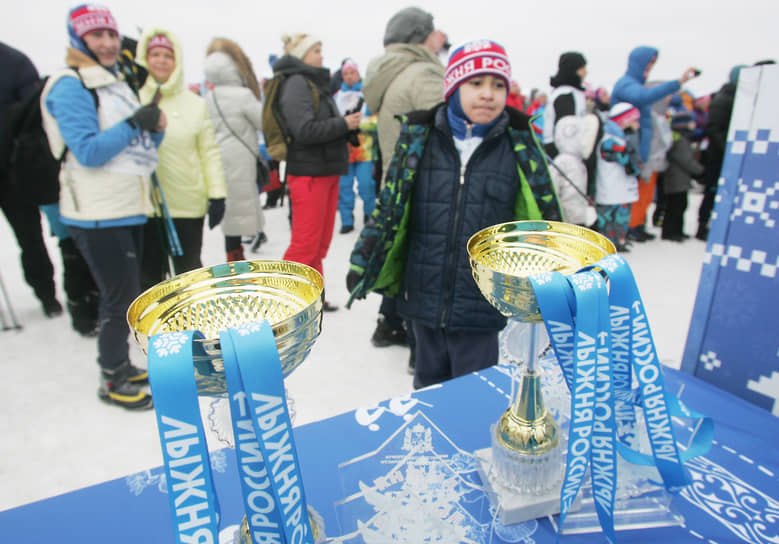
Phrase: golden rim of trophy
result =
(288, 295)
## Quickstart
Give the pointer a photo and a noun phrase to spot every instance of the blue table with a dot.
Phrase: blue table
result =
(423, 443)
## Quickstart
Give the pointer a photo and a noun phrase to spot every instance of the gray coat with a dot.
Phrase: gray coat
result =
(682, 167)
(241, 110)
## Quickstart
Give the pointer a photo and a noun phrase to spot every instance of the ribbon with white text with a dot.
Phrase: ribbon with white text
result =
(193, 501)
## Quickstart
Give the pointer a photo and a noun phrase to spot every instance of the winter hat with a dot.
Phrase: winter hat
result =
(87, 18)
(409, 25)
(623, 114)
(474, 58)
(160, 40)
(566, 74)
(350, 63)
(299, 44)
(681, 119)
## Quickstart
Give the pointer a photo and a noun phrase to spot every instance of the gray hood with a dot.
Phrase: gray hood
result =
(220, 70)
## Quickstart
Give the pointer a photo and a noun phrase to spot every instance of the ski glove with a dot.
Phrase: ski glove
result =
(145, 118)
(216, 211)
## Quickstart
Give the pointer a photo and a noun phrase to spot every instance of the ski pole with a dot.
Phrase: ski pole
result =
(14, 323)
(170, 228)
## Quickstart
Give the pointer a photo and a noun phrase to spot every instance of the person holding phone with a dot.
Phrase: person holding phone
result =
(317, 156)
(632, 88)
(362, 149)
(111, 140)
(190, 168)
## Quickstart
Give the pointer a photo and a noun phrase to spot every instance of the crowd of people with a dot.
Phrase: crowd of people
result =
(437, 152)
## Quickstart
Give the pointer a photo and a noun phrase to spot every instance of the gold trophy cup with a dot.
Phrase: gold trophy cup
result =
(525, 460)
(288, 295)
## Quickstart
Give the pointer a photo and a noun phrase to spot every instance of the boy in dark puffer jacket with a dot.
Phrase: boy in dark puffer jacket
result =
(458, 168)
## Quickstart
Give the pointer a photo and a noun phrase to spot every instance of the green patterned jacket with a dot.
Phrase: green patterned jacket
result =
(379, 255)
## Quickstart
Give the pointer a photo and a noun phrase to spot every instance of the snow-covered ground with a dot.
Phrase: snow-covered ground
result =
(56, 436)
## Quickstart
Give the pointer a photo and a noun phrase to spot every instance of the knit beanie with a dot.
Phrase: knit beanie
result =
(87, 18)
(409, 25)
(160, 40)
(299, 44)
(476, 58)
(624, 113)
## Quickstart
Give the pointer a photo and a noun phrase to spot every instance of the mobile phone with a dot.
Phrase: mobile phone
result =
(697, 72)
(357, 108)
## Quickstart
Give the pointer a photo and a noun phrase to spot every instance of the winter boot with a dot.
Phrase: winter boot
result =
(121, 386)
(83, 314)
(387, 335)
(258, 241)
(51, 307)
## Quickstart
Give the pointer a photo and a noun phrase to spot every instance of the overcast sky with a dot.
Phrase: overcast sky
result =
(713, 36)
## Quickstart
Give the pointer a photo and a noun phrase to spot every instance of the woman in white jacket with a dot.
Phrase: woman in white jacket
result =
(236, 112)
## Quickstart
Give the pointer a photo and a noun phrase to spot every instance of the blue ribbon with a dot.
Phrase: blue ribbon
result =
(251, 350)
(602, 341)
(193, 501)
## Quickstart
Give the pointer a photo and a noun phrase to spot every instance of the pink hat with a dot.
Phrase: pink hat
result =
(475, 58)
(90, 17)
(160, 40)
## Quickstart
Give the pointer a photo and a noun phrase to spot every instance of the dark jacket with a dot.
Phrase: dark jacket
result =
(719, 120)
(682, 166)
(318, 145)
(415, 243)
(19, 79)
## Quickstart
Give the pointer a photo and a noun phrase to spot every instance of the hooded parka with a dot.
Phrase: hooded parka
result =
(190, 165)
(237, 116)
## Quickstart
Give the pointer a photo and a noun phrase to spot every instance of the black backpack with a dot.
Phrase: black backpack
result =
(26, 156)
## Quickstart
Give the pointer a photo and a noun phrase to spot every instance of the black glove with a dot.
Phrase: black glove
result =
(216, 211)
(146, 117)
(352, 279)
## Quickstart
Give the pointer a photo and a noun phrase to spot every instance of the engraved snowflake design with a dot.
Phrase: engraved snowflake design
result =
(247, 328)
(169, 344)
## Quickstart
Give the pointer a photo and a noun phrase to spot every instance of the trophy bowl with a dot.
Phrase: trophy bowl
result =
(526, 453)
(289, 295)
(503, 256)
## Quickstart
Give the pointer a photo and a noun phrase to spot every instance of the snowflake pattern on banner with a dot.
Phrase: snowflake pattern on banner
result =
(419, 487)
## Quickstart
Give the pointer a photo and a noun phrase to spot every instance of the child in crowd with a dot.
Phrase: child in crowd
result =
(460, 167)
(682, 166)
(617, 173)
(574, 138)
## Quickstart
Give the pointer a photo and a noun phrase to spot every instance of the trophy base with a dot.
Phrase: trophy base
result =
(514, 506)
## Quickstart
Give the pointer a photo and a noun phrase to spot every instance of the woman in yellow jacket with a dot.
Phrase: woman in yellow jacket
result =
(190, 168)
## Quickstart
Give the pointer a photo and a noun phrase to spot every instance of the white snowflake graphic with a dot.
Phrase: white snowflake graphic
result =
(586, 280)
(611, 263)
(543, 278)
(169, 344)
(248, 328)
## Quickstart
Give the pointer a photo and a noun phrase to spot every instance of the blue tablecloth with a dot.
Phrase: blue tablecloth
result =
(354, 462)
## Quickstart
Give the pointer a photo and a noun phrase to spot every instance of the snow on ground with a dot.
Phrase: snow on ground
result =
(56, 436)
